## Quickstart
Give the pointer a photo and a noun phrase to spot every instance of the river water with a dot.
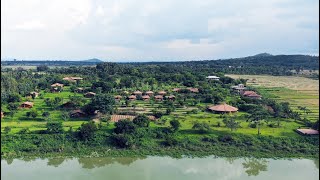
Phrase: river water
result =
(159, 168)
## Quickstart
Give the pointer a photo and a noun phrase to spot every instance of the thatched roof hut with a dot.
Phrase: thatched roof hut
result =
(158, 98)
(89, 94)
(132, 97)
(149, 93)
(57, 85)
(162, 93)
(27, 105)
(146, 97)
(137, 93)
(223, 108)
(117, 97)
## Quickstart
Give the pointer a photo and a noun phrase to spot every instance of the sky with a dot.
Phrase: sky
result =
(153, 30)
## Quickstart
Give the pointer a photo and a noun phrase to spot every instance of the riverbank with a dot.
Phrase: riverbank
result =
(65, 145)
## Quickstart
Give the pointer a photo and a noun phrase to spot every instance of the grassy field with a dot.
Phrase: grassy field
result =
(298, 91)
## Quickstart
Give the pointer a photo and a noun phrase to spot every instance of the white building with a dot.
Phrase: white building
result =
(213, 77)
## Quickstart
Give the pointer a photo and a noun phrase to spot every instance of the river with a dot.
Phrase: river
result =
(159, 168)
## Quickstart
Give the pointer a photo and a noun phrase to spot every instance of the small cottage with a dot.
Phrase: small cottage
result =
(162, 93)
(193, 90)
(149, 93)
(146, 97)
(251, 94)
(77, 114)
(213, 78)
(89, 94)
(117, 98)
(158, 98)
(137, 93)
(27, 105)
(35, 94)
(171, 97)
(132, 97)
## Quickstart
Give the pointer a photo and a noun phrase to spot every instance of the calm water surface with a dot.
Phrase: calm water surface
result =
(159, 168)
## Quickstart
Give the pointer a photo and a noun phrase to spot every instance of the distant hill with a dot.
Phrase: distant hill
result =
(262, 55)
(94, 60)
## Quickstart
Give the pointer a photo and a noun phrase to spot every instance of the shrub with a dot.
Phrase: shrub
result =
(7, 129)
(122, 140)
(87, 131)
(201, 127)
(170, 141)
(175, 125)
(141, 121)
(124, 126)
(54, 127)
(225, 138)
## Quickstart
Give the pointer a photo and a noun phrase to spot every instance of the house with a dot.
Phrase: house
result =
(158, 98)
(68, 105)
(27, 105)
(35, 94)
(132, 97)
(2, 114)
(307, 132)
(89, 94)
(137, 93)
(117, 98)
(239, 88)
(72, 79)
(176, 89)
(171, 97)
(162, 93)
(57, 85)
(77, 113)
(193, 90)
(251, 94)
(223, 108)
(213, 77)
(79, 90)
(146, 97)
(55, 89)
(149, 93)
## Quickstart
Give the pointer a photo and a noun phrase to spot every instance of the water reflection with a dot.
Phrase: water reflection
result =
(254, 166)
(90, 163)
(159, 168)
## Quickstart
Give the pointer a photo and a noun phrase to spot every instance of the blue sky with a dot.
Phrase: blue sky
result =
(153, 30)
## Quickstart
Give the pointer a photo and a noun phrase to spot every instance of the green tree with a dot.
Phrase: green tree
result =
(202, 127)
(87, 131)
(124, 126)
(231, 123)
(257, 117)
(141, 121)
(175, 125)
(103, 102)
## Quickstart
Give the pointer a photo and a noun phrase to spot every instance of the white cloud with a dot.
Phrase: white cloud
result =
(156, 30)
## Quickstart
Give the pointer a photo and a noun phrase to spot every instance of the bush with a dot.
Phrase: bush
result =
(124, 126)
(225, 138)
(7, 129)
(170, 141)
(54, 127)
(253, 125)
(122, 140)
(87, 131)
(175, 124)
(24, 131)
(201, 127)
(141, 121)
